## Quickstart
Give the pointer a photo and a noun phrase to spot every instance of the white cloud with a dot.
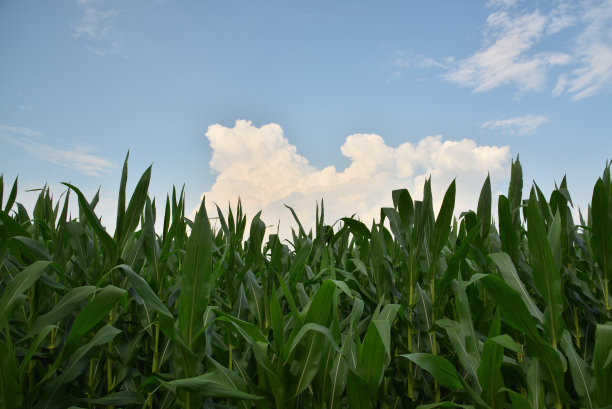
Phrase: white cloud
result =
(502, 3)
(561, 17)
(97, 29)
(593, 51)
(262, 167)
(405, 60)
(506, 57)
(520, 125)
(513, 51)
(80, 157)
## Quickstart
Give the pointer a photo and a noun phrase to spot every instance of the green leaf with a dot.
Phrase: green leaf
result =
(602, 228)
(11, 198)
(518, 400)
(484, 208)
(545, 271)
(581, 373)
(444, 405)
(312, 327)
(338, 375)
(137, 202)
(210, 384)
(121, 201)
(67, 305)
(515, 190)
(11, 395)
(439, 367)
(535, 389)
(511, 277)
(356, 227)
(108, 242)
(16, 287)
(33, 349)
(489, 373)
(9, 227)
(252, 334)
(506, 341)
(121, 398)
(603, 373)
(507, 232)
(34, 249)
(91, 315)
(308, 356)
(457, 339)
(197, 278)
(402, 201)
(467, 326)
(76, 363)
(277, 321)
(142, 288)
(516, 314)
(298, 262)
(443, 221)
(357, 392)
(301, 231)
(376, 348)
(395, 222)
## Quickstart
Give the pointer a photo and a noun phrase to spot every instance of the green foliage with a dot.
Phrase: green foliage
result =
(418, 310)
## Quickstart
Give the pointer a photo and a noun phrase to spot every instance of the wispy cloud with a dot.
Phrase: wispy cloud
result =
(96, 28)
(507, 57)
(593, 51)
(406, 60)
(262, 167)
(79, 157)
(512, 52)
(501, 3)
(519, 125)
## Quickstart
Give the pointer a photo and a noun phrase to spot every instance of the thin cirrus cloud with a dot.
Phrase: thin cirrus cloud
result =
(520, 125)
(508, 59)
(262, 167)
(593, 51)
(512, 53)
(501, 3)
(96, 28)
(80, 158)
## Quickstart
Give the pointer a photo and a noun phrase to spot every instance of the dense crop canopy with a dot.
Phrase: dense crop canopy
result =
(491, 310)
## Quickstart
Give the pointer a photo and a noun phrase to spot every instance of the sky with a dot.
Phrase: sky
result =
(285, 103)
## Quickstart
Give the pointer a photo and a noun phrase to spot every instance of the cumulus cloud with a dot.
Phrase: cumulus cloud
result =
(507, 57)
(593, 51)
(80, 157)
(262, 167)
(519, 125)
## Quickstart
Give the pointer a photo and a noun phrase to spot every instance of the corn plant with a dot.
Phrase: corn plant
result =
(422, 308)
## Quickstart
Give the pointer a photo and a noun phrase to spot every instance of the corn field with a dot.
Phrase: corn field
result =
(422, 309)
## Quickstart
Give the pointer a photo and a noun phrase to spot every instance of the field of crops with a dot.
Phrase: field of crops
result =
(509, 308)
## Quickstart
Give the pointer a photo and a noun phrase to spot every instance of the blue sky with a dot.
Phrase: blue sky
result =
(285, 102)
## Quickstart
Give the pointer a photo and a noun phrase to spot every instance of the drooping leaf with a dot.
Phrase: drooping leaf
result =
(439, 367)
(210, 384)
(91, 315)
